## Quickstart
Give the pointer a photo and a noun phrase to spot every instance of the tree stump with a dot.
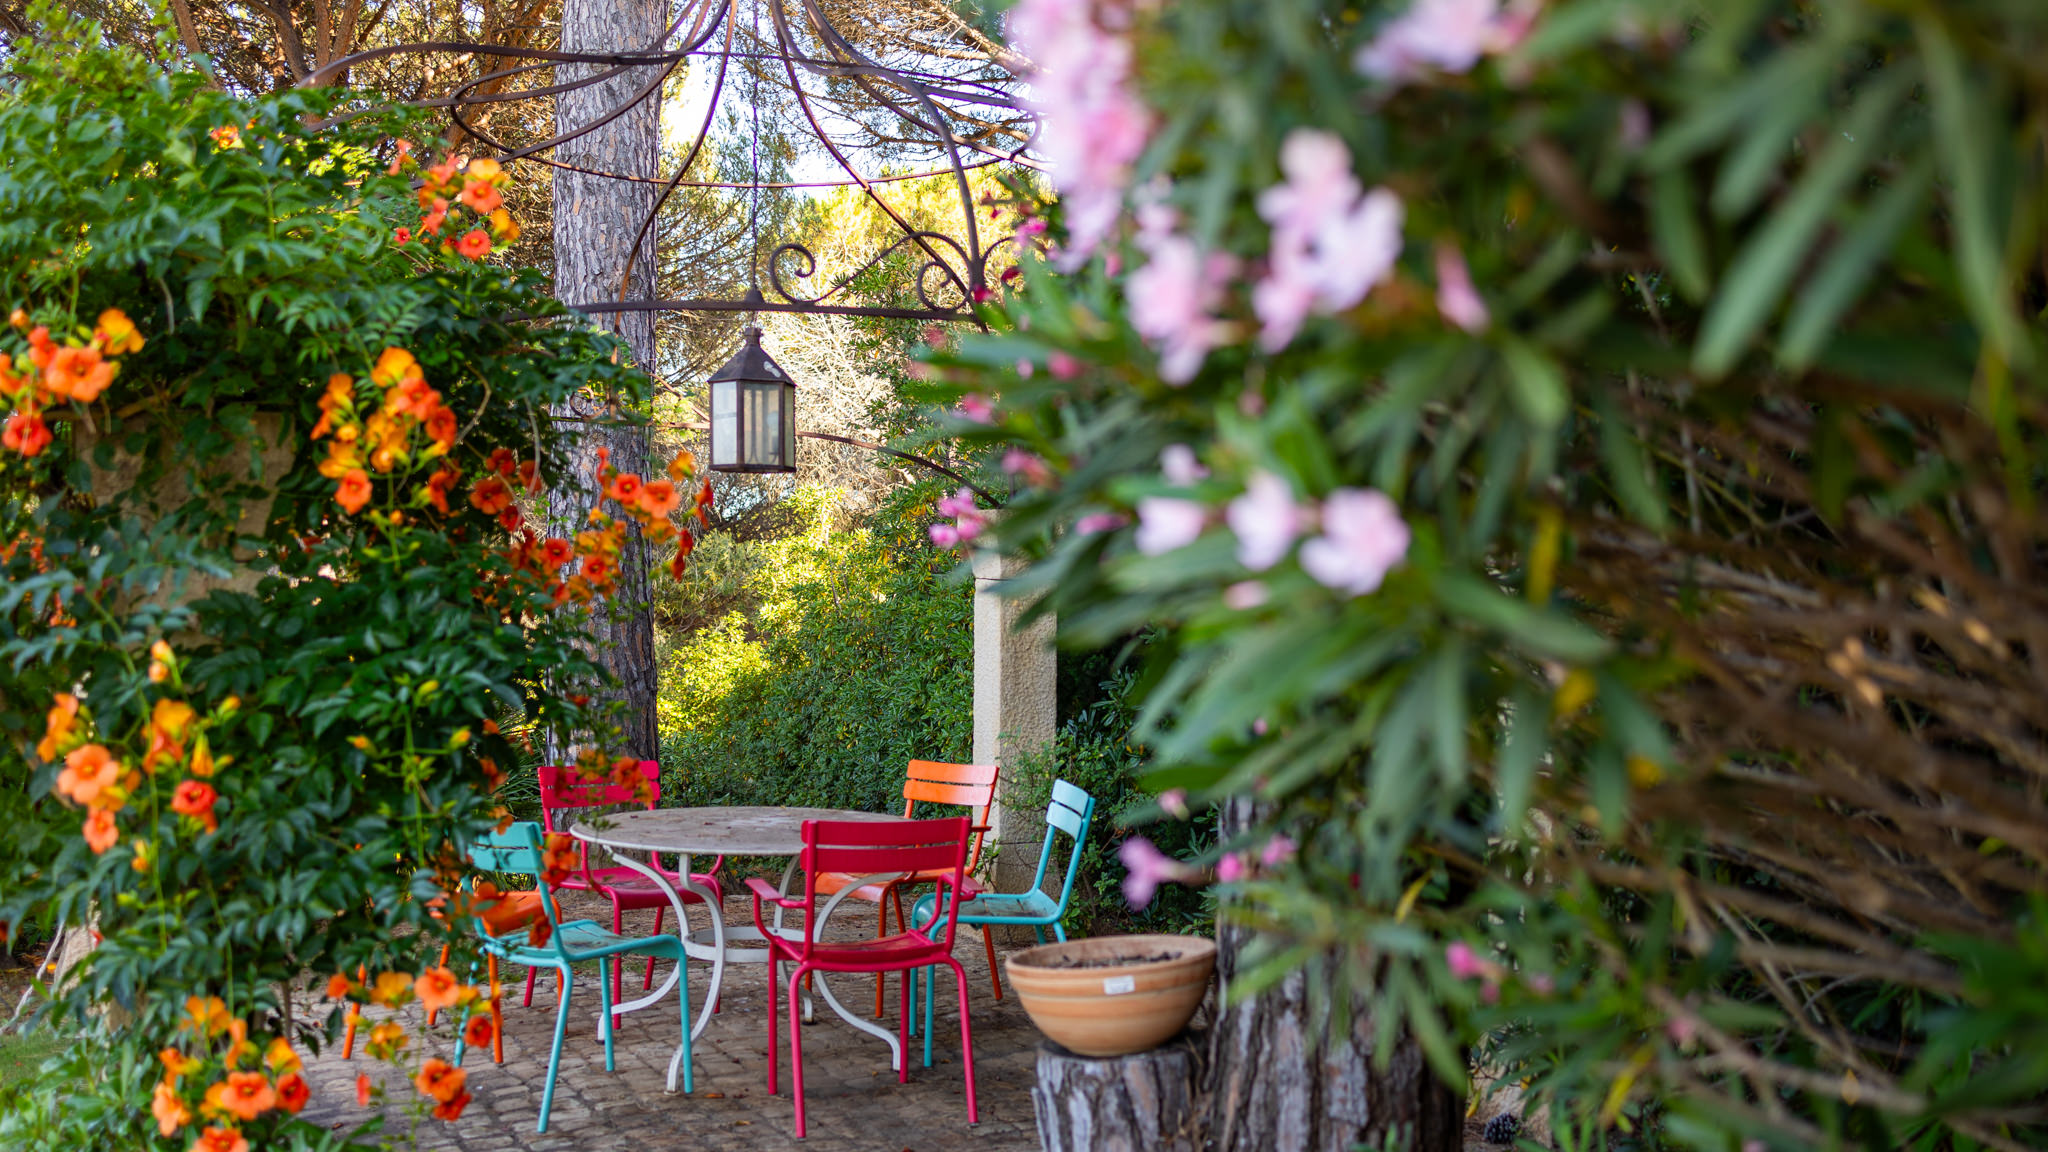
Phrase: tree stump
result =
(1140, 1103)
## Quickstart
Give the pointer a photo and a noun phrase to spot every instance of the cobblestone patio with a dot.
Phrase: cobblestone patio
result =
(852, 1098)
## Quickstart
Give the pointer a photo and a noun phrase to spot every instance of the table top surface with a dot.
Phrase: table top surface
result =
(734, 831)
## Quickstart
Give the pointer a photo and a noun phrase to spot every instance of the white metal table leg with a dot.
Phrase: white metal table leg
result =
(825, 989)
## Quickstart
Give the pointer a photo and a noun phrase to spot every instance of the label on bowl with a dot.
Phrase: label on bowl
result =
(1118, 985)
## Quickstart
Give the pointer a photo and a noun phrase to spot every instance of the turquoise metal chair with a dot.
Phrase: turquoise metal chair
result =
(1072, 811)
(518, 850)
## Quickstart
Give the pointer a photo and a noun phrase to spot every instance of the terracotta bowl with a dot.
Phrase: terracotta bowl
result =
(1120, 1007)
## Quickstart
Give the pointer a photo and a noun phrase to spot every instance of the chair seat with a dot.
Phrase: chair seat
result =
(630, 889)
(507, 912)
(1001, 906)
(831, 882)
(900, 950)
(588, 940)
(997, 908)
(511, 912)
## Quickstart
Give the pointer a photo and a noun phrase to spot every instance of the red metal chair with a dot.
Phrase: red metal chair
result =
(971, 786)
(562, 789)
(865, 849)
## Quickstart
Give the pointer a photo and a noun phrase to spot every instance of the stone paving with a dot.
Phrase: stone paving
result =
(853, 1101)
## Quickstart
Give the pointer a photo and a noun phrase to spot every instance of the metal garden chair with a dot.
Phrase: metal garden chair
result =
(562, 790)
(518, 849)
(869, 850)
(1071, 811)
(970, 786)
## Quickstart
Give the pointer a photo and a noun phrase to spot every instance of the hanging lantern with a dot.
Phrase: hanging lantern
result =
(753, 412)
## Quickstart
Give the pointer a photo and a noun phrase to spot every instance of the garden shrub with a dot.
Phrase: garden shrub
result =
(270, 611)
(855, 656)
(1096, 751)
(1580, 463)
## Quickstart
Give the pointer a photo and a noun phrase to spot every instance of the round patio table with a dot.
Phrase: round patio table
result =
(734, 831)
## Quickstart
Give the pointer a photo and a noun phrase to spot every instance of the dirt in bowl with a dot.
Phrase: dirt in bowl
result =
(1102, 961)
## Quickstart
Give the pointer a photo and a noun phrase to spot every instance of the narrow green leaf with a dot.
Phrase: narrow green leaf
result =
(1514, 766)
(1542, 633)
(1847, 270)
(1676, 226)
(1746, 172)
(1447, 712)
(1626, 465)
(1758, 275)
(1960, 119)
(1535, 383)
(1715, 116)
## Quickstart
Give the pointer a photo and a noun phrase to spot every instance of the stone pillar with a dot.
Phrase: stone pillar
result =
(1016, 712)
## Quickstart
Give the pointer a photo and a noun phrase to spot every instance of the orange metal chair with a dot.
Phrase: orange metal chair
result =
(970, 786)
(935, 848)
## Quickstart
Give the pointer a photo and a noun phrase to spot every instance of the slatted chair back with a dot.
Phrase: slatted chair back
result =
(563, 787)
(971, 786)
(1071, 811)
(873, 847)
(516, 850)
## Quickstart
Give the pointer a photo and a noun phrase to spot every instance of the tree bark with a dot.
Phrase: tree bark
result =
(1140, 1103)
(1281, 1074)
(596, 220)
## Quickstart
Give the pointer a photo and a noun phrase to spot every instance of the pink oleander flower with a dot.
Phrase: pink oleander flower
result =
(1095, 522)
(1456, 298)
(959, 503)
(1146, 868)
(1092, 125)
(1464, 963)
(1018, 462)
(976, 407)
(1179, 465)
(968, 520)
(1174, 801)
(1063, 366)
(1165, 524)
(1279, 850)
(1231, 868)
(1444, 36)
(1332, 242)
(1363, 538)
(1540, 983)
(1681, 1029)
(1635, 125)
(1025, 368)
(1266, 520)
(1173, 299)
(1245, 595)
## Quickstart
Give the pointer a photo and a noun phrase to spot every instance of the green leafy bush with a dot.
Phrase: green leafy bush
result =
(855, 656)
(1604, 528)
(1096, 752)
(266, 678)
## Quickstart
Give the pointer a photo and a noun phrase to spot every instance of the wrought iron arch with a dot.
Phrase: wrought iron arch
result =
(951, 271)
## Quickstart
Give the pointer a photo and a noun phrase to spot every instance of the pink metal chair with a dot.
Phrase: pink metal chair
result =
(937, 848)
(562, 789)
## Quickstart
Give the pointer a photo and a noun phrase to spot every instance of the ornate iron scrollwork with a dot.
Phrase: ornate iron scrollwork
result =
(950, 272)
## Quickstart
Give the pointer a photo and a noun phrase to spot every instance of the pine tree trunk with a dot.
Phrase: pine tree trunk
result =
(1280, 1076)
(595, 222)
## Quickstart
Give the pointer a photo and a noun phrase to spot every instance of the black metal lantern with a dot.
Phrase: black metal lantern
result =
(753, 412)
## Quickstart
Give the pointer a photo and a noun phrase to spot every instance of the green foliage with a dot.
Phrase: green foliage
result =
(854, 657)
(340, 667)
(1710, 660)
(1095, 752)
